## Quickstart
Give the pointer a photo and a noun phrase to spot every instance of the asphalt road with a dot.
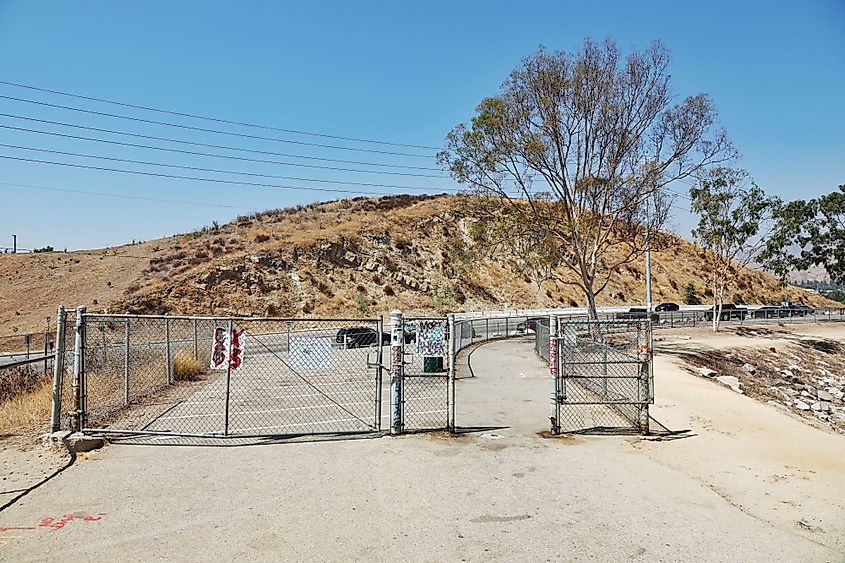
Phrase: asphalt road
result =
(499, 493)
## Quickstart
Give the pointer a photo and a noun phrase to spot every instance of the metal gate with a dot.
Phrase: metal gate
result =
(215, 376)
(601, 375)
(425, 374)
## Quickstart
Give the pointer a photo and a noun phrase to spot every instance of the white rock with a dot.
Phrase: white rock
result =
(707, 372)
(787, 374)
(821, 406)
(750, 368)
(801, 405)
(824, 396)
(730, 381)
(793, 367)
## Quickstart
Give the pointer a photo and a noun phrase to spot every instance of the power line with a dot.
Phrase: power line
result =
(215, 155)
(215, 119)
(124, 196)
(218, 171)
(224, 147)
(195, 178)
(216, 131)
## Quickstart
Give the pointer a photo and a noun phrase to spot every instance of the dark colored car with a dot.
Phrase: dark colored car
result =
(529, 324)
(666, 307)
(730, 312)
(769, 312)
(799, 310)
(360, 337)
(636, 314)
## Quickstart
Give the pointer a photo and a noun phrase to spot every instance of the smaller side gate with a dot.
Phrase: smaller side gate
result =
(420, 373)
(601, 375)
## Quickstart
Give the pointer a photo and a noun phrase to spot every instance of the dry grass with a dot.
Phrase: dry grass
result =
(27, 411)
(186, 367)
(401, 249)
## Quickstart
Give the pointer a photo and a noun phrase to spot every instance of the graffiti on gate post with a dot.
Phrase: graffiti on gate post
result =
(397, 340)
(227, 348)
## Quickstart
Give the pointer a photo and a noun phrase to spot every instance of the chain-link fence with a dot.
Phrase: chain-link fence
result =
(541, 338)
(603, 375)
(230, 376)
(425, 387)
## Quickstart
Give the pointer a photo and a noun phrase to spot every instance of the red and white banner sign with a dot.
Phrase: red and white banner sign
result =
(227, 349)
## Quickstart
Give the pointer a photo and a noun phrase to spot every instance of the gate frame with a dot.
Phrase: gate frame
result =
(78, 413)
(644, 377)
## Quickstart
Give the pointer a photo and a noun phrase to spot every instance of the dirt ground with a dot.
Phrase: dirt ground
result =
(747, 481)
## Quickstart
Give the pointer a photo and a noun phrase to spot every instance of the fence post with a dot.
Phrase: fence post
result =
(228, 378)
(452, 357)
(58, 371)
(77, 415)
(126, 366)
(554, 416)
(396, 358)
(169, 359)
(196, 345)
(645, 370)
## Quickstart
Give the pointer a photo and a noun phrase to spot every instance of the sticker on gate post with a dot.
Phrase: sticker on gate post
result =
(222, 343)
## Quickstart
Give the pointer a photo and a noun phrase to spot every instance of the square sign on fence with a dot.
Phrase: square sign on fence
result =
(224, 342)
(310, 353)
(431, 338)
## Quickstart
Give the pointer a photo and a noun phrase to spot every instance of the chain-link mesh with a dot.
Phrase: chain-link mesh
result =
(218, 376)
(603, 378)
(541, 338)
(472, 331)
(425, 384)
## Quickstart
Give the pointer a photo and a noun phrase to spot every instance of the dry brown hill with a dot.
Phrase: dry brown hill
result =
(350, 257)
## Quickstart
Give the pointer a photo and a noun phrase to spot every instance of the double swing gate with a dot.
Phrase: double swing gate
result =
(602, 377)
(246, 377)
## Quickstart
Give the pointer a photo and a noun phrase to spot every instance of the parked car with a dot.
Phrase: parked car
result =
(730, 312)
(360, 337)
(666, 307)
(636, 314)
(529, 324)
(799, 310)
(770, 312)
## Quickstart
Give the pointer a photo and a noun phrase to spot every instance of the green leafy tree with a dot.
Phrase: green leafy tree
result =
(690, 296)
(732, 213)
(567, 164)
(809, 233)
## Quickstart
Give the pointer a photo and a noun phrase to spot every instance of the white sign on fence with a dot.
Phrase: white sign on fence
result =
(220, 347)
(310, 353)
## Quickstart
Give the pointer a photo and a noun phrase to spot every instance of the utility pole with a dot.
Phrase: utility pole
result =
(647, 261)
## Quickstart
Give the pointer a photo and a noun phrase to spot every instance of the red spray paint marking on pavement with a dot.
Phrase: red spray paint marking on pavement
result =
(50, 523)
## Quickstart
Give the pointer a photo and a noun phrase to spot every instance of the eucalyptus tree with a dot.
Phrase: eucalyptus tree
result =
(733, 214)
(569, 161)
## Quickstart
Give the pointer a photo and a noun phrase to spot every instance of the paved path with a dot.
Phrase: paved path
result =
(503, 494)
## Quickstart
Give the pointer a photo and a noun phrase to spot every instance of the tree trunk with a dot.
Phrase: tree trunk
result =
(592, 310)
(719, 294)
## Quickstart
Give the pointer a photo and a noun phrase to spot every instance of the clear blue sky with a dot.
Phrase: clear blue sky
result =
(396, 71)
